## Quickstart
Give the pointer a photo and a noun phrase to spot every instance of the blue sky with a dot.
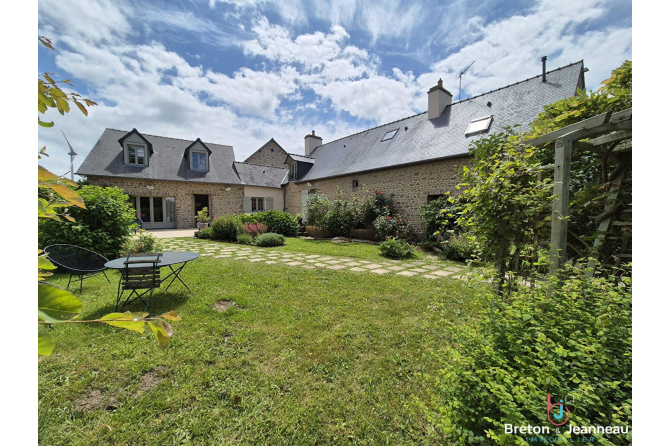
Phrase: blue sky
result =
(241, 72)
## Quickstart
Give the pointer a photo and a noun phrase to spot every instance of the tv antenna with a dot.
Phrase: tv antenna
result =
(72, 154)
(460, 77)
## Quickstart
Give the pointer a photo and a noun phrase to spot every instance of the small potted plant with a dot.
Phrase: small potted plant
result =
(203, 218)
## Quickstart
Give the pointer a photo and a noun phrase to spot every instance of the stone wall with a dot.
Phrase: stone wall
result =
(270, 154)
(221, 202)
(411, 185)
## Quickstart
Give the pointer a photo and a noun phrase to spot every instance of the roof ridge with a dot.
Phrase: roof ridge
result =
(453, 103)
(169, 137)
(259, 165)
(305, 156)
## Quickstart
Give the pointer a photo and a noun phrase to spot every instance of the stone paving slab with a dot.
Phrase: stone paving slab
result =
(429, 268)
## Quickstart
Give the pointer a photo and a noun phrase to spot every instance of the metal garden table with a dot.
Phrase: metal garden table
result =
(168, 259)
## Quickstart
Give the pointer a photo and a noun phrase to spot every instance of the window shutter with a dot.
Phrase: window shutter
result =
(268, 203)
(246, 205)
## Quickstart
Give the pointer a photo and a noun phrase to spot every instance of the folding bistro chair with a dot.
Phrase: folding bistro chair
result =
(139, 272)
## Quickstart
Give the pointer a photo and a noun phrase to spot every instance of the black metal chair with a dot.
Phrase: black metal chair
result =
(140, 272)
(80, 262)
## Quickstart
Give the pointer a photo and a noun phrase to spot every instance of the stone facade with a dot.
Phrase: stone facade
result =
(411, 185)
(270, 154)
(221, 202)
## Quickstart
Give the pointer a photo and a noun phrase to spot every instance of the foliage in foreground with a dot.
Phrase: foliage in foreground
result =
(570, 338)
(103, 226)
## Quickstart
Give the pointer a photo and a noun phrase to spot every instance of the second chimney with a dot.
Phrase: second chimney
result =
(544, 68)
(312, 142)
(438, 99)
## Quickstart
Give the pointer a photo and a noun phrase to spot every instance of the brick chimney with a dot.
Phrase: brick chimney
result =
(438, 98)
(312, 142)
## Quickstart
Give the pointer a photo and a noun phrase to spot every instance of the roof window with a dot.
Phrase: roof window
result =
(389, 135)
(478, 126)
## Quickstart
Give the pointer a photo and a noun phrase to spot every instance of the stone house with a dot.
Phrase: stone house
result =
(169, 180)
(417, 158)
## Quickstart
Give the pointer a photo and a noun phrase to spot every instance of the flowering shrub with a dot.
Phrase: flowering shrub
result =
(376, 204)
(388, 225)
(255, 229)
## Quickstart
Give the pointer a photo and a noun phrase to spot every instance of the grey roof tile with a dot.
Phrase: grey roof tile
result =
(420, 139)
(166, 163)
(301, 158)
(256, 175)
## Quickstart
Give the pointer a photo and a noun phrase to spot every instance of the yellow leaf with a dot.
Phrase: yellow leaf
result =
(44, 175)
(172, 316)
(69, 195)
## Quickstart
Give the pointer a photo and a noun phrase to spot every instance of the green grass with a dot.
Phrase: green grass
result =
(355, 250)
(304, 357)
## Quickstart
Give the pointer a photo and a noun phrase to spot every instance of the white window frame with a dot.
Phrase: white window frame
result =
(479, 125)
(255, 201)
(135, 147)
(199, 152)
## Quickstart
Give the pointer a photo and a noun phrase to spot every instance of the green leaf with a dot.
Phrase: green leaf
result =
(161, 334)
(45, 124)
(54, 304)
(127, 320)
(45, 343)
(44, 174)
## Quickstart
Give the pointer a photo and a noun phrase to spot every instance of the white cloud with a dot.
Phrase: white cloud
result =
(159, 92)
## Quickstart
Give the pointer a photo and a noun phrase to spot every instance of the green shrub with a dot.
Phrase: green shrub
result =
(279, 222)
(569, 337)
(318, 206)
(270, 239)
(143, 241)
(387, 225)
(245, 239)
(226, 228)
(459, 247)
(441, 215)
(206, 234)
(104, 226)
(395, 248)
(248, 218)
(374, 205)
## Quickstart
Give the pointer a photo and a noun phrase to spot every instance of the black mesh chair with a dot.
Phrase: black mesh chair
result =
(80, 262)
(140, 272)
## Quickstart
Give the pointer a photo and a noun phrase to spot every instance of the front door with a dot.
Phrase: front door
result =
(201, 201)
(156, 212)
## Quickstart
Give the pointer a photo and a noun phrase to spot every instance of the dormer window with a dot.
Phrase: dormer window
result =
(136, 149)
(197, 155)
(293, 172)
(199, 160)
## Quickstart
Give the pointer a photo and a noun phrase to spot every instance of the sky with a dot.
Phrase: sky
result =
(239, 72)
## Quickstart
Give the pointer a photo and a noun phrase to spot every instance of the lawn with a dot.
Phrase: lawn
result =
(304, 357)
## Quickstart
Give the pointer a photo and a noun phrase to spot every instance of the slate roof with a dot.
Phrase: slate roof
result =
(166, 163)
(420, 139)
(265, 176)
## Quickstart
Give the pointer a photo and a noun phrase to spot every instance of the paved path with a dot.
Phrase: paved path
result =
(427, 268)
(170, 233)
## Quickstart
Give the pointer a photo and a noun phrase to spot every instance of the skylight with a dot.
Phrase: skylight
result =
(478, 125)
(389, 135)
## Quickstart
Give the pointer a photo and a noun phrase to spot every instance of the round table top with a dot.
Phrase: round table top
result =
(168, 258)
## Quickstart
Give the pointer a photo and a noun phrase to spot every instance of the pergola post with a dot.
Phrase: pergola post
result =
(559, 222)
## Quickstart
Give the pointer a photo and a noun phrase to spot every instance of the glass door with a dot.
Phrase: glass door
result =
(156, 212)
